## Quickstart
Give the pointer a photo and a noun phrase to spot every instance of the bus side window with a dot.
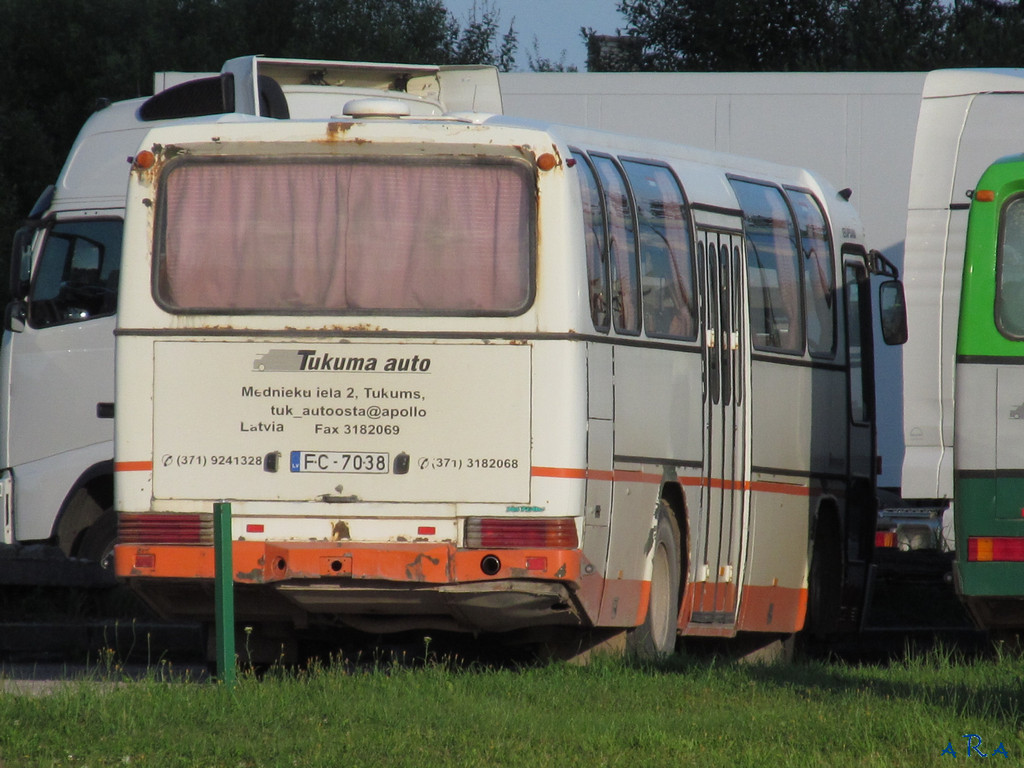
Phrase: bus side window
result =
(621, 247)
(666, 251)
(595, 237)
(819, 276)
(776, 318)
(76, 278)
(1010, 270)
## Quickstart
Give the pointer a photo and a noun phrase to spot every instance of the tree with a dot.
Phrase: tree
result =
(733, 35)
(60, 56)
(476, 45)
(538, 63)
(407, 31)
(762, 35)
(985, 33)
(892, 35)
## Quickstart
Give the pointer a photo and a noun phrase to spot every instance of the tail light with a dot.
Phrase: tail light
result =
(521, 533)
(165, 529)
(984, 549)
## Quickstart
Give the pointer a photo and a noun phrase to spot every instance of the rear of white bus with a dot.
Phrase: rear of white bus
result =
(336, 328)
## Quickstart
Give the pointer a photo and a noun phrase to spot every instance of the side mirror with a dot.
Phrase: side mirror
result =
(21, 251)
(892, 310)
(21, 261)
(16, 316)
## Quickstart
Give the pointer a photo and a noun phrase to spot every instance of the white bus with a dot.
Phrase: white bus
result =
(477, 374)
(57, 359)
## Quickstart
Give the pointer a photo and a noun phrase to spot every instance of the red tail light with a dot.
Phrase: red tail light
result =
(985, 549)
(165, 529)
(520, 533)
(885, 539)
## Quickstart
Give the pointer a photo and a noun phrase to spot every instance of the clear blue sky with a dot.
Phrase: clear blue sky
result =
(555, 23)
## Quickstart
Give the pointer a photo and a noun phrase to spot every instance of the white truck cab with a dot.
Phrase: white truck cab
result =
(57, 355)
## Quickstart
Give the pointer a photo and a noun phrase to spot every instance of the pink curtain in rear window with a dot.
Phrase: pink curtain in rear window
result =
(346, 237)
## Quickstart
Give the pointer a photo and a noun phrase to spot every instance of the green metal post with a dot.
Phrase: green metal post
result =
(224, 595)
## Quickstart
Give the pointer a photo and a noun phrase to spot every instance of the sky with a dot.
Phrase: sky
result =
(555, 23)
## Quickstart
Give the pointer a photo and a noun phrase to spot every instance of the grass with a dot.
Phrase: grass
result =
(686, 711)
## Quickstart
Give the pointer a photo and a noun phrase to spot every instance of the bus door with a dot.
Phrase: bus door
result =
(600, 434)
(720, 535)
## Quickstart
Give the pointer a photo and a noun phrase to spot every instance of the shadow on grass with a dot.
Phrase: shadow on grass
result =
(967, 685)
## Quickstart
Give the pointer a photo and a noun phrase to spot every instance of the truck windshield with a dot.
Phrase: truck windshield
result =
(401, 236)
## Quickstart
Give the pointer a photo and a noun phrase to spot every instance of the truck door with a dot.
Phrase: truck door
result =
(60, 376)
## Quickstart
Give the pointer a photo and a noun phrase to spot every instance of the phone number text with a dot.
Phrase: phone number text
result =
(446, 462)
(198, 460)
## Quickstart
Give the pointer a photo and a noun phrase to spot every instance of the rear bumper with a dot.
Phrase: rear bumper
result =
(371, 587)
(259, 562)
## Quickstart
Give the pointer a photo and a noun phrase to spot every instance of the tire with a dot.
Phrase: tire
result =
(97, 542)
(825, 581)
(656, 636)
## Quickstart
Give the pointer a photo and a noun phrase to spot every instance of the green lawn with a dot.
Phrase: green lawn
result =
(687, 711)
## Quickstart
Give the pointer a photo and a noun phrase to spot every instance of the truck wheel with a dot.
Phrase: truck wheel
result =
(98, 540)
(656, 637)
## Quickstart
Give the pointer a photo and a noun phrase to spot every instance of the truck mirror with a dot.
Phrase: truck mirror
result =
(21, 261)
(892, 310)
(15, 316)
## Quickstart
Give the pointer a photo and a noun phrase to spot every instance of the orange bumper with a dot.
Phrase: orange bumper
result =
(259, 562)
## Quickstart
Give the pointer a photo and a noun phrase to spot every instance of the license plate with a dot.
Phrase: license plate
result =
(340, 461)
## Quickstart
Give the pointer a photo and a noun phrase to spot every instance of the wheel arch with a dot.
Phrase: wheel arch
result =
(674, 497)
(84, 505)
(825, 569)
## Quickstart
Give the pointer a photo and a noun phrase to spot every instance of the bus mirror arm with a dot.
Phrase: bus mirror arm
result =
(880, 265)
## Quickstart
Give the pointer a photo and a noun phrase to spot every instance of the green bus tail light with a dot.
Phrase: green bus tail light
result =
(990, 549)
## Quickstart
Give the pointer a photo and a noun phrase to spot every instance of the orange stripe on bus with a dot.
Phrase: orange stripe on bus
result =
(789, 488)
(133, 466)
(638, 476)
(573, 474)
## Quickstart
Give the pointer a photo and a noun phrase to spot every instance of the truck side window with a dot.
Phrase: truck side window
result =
(76, 276)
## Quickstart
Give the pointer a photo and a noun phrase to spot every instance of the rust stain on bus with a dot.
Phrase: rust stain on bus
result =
(255, 576)
(414, 570)
(360, 328)
(336, 131)
(337, 127)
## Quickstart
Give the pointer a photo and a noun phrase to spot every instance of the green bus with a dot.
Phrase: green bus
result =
(989, 410)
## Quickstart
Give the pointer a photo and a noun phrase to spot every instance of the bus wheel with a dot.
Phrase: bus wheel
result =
(825, 581)
(657, 635)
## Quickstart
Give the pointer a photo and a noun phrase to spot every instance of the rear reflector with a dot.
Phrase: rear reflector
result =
(520, 533)
(987, 549)
(165, 529)
(145, 560)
